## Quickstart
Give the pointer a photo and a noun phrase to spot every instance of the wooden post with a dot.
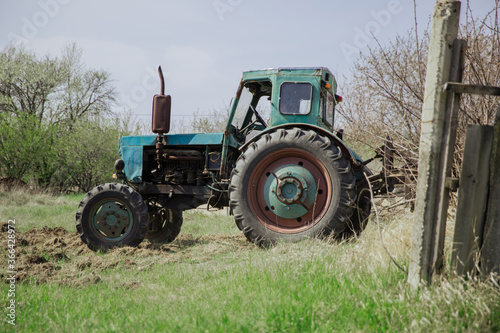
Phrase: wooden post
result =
(472, 200)
(448, 149)
(428, 231)
(490, 256)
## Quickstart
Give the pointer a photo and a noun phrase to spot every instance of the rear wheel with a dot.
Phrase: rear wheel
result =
(291, 184)
(164, 224)
(112, 215)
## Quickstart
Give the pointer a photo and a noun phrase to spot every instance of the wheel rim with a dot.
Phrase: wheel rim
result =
(159, 218)
(111, 220)
(289, 191)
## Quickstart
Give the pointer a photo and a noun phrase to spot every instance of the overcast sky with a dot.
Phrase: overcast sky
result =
(204, 45)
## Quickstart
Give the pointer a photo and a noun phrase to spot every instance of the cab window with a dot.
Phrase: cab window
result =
(295, 98)
(330, 108)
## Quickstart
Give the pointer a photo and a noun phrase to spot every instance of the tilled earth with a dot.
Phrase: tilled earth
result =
(56, 255)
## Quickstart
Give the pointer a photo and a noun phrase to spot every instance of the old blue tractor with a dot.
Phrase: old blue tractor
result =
(284, 178)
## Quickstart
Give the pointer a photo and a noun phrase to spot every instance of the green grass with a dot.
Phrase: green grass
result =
(211, 286)
(199, 222)
(38, 210)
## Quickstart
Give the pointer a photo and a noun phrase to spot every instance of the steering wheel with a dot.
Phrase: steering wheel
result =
(258, 117)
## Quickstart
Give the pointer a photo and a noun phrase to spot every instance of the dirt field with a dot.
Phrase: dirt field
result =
(57, 255)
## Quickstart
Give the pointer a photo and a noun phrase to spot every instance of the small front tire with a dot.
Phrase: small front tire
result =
(112, 215)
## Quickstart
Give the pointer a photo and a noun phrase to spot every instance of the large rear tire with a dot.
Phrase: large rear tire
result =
(291, 184)
(164, 224)
(112, 215)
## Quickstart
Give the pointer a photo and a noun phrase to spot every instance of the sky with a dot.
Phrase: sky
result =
(203, 46)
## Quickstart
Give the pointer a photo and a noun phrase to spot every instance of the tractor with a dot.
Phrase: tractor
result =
(279, 166)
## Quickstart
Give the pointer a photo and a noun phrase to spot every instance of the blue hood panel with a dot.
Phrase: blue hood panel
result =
(130, 148)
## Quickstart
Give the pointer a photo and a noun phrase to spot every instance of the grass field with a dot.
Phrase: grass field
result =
(211, 280)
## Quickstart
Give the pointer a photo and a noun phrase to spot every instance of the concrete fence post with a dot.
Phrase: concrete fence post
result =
(428, 229)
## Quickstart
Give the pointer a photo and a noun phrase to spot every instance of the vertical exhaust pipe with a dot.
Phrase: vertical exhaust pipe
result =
(162, 81)
(161, 109)
(161, 117)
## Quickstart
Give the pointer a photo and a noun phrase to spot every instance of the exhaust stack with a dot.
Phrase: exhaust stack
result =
(161, 109)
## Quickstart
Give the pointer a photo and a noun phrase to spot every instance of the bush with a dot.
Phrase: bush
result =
(59, 158)
(27, 148)
(86, 155)
(53, 127)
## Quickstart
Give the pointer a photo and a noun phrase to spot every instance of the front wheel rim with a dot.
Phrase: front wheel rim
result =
(159, 220)
(111, 220)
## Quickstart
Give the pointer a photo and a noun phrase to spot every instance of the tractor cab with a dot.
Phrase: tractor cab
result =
(273, 97)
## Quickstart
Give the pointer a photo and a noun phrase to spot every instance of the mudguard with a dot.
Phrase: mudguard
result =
(352, 156)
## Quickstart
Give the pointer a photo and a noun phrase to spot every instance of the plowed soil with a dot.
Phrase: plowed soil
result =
(56, 255)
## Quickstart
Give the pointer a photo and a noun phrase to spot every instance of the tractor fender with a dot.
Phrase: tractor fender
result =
(356, 163)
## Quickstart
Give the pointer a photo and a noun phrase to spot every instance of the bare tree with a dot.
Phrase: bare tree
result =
(384, 95)
(52, 89)
(27, 83)
(45, 98)
(215, 121)
(85, 92)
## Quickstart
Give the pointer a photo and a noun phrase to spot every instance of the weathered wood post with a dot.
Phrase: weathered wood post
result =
(490, 256)
(472, 200)
(432, 197)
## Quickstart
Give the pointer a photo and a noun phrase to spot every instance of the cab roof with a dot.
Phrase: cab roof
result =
(287, 71)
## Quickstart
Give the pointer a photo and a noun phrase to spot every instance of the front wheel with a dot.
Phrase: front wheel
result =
(291, 184)
(112, 215)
